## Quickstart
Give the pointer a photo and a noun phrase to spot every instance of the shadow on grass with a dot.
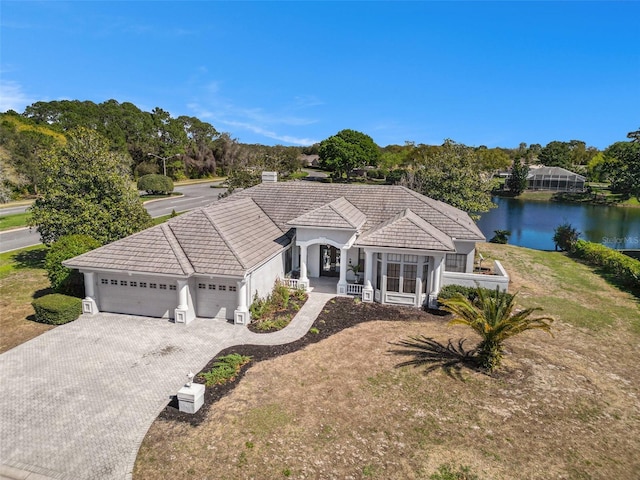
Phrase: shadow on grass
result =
(450, 358)
(42, 292)
(31, 258)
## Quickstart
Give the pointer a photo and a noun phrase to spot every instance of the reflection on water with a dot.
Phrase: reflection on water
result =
(532, 223)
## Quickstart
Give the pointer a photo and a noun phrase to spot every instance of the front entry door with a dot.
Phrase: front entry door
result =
(329, 261)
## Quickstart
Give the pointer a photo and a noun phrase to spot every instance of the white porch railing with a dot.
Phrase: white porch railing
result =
(291, 282)
(354, 289)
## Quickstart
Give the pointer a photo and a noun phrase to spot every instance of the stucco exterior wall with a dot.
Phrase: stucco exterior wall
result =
(500, 279)
(263, 278)
(313, 261)
(325, 235)
(468, 249)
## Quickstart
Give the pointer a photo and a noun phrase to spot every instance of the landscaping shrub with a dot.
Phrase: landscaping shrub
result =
(225, 369)
(57, 309)
(155, 184)
(501, 236)
(450, 291)
(565, 237)
(66, 280)
(624, 268)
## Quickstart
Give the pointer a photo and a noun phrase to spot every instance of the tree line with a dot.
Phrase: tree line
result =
(191, 147)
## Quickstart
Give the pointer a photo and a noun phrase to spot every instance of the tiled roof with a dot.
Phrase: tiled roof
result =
(214, 240)
(284, 201)
(236, 234)
(406, 230)
(339, 213)
(150, 251)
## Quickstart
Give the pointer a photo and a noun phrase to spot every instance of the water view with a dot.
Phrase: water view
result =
(532, 223)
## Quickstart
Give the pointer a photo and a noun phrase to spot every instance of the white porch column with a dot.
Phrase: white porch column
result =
(183, 314)
(367, 291)
(342, 284)
(89, 304)
(438, 270)
(303, 283)
(242, 316)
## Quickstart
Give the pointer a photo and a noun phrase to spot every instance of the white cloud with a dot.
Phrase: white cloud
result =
(12, 96)
(221, 111)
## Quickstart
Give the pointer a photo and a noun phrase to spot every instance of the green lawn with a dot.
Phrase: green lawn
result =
(13, 221)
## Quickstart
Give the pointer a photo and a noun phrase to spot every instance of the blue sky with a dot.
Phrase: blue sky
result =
(293, 73)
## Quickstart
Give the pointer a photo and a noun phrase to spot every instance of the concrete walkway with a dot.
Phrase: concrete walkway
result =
(78, 400)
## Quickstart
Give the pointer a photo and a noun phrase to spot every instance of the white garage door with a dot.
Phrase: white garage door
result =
(148, 296)
(216, 298)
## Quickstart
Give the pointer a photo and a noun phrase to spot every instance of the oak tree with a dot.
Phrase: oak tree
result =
(86, 189)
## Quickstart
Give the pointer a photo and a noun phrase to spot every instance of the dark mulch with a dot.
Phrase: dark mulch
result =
(339, 314)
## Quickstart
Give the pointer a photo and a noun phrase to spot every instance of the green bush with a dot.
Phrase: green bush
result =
(501, 237)
(225, 369)
(57, 309)
(155, 184)
(624, 268)
(565, 237)
(66, 280)
(450, 291)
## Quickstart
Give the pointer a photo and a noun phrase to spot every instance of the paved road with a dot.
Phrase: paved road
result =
(194, 196)
(78, 400)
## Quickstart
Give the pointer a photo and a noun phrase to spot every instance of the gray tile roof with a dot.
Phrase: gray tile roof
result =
(340, 213)
(214, 240)
(406, 230)
(284, 201)
(234, 235)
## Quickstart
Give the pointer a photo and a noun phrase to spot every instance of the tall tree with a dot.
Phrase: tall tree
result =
(517, 181)
(86, 190)
(450, 174)
(346, 150)
(622, 166)
(556, 154)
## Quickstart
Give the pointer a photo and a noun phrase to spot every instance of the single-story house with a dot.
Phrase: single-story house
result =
(554, 178)
(213, 261)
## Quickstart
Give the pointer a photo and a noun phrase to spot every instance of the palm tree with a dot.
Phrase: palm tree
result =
(493, 316)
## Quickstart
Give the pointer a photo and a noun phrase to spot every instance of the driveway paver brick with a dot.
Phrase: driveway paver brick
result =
(78, 400)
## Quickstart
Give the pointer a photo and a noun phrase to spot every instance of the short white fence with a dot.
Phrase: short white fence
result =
(354, 289)
(291, 283)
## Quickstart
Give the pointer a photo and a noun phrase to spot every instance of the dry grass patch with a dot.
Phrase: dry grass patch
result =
(566, 407)
(341, 408)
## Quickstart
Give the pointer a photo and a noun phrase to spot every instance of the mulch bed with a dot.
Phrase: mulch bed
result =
(337, 315)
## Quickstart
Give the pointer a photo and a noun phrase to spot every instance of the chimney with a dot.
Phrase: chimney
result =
(269, 177)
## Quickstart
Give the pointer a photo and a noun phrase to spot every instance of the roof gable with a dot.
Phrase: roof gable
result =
(340, 213)
(407, 230)
(154, 250)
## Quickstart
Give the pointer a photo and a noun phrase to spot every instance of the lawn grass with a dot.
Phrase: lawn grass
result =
(562, 407)
(15, 220)
(21, 279)
(566, 287)
(536, 196)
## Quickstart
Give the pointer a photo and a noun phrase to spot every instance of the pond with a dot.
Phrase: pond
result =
(532, 223)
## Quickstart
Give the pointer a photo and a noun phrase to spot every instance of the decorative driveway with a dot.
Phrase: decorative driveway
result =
(78, 400)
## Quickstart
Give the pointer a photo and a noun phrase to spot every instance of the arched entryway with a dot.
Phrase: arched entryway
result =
(329, 261)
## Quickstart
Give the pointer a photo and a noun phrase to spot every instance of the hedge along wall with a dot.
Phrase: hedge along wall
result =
(625, 268)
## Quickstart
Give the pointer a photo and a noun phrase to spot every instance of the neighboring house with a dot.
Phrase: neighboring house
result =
(554, 178)
(213, 261)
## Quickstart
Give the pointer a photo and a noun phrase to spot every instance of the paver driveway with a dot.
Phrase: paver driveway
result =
(76, 402)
